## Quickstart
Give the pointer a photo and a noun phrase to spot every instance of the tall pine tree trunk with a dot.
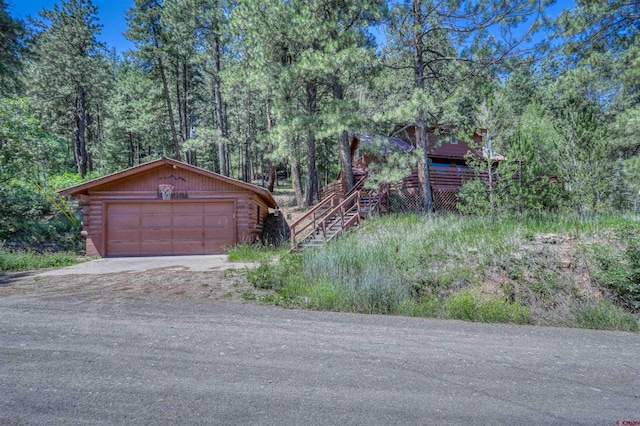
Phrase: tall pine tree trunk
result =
(295, 172)
(309, 191)
(217, 96)
(247, 154)
(418, 64)
(79, 137)
(165, 87)
(272, 168)
(344, 148)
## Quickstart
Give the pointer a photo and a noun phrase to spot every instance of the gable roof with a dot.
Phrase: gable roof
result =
(83, 188)
(385, 145)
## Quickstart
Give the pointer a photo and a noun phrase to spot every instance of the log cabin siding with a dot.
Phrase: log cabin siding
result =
(251, 206)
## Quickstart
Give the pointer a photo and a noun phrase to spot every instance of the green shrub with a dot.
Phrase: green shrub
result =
(462, 306)
(429, 307)
(496, 310)
(605, 316)
(22, 261)
(275, 276)
(465, 306)
(474, 198)
(621, 271)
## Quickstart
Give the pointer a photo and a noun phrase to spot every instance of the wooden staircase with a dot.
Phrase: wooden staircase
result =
(333, 216)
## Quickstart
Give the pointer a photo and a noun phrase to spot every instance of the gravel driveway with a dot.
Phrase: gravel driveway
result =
(157, 348)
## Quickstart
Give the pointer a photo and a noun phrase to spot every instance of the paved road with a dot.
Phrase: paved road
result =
(185, 363)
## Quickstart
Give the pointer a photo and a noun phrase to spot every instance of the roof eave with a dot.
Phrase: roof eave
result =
(264, 194)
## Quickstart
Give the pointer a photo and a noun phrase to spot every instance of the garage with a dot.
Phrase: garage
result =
(166, 207)
(175, 228)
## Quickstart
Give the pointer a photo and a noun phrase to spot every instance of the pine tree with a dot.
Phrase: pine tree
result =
(69, 75)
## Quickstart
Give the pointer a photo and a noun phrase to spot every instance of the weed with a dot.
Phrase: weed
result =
(22, 261)
(429, 307)
(439, 265)
(465, 306)
(248, 295)
(462, 306)
(605, 316)
(254, 253)
(496, 310)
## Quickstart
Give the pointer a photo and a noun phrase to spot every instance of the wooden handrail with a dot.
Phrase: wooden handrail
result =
(295, 231)
(357, 186)
(340, 209)
(382, 192)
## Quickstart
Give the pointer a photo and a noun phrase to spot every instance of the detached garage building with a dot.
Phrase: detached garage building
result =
(167, 207)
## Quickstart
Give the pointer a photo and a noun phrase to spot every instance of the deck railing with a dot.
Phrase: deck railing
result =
(440, 176)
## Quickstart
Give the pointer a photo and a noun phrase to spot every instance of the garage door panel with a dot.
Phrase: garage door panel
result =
(188, 208)
(156, 234)
(179, 227)
(225, 207)
(216, 246)
(116, 235)
(225, 234)
(124, 222)
(218, 221)
(187, 221)
(188, 247)
(156, 221)
(156, 208)
(124, 208)
(157, 247)
(123, 248)
(188, 234)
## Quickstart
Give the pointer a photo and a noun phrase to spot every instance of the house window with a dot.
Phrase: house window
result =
(453, 140)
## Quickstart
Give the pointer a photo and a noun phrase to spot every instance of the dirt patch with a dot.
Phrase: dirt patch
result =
(166, 284)
(550, 274)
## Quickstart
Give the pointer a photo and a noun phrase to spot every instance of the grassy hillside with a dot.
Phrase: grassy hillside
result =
(548, 270)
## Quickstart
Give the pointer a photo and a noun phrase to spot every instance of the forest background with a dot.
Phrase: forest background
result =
(256, 89)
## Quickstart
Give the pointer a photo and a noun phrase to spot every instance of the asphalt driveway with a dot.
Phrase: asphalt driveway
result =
(189, 362)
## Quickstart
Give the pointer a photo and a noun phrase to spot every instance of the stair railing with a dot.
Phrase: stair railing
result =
(383, 192)
(313, 217)
(341, 210)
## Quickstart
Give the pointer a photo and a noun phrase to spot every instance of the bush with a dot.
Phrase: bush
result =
(497, 310)
(605, 316)
(465, 306)
(275, 276)
(462, 306)
(24, 261)
(621, 271)
(474, 198)
(28, 221)
(429, 307)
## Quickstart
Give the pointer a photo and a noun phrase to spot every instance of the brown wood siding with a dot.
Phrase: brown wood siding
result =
(182, 180)
(127, 217)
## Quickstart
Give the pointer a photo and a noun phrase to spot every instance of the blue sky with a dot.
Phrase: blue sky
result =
(112, 17)
(111, 14)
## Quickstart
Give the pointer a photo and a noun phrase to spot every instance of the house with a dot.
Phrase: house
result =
(448, 167)
(166, 207)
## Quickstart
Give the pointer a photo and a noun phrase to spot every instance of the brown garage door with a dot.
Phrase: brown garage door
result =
(169, 228)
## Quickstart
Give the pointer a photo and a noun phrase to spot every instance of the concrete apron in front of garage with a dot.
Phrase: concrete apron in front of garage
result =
(140, 264)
